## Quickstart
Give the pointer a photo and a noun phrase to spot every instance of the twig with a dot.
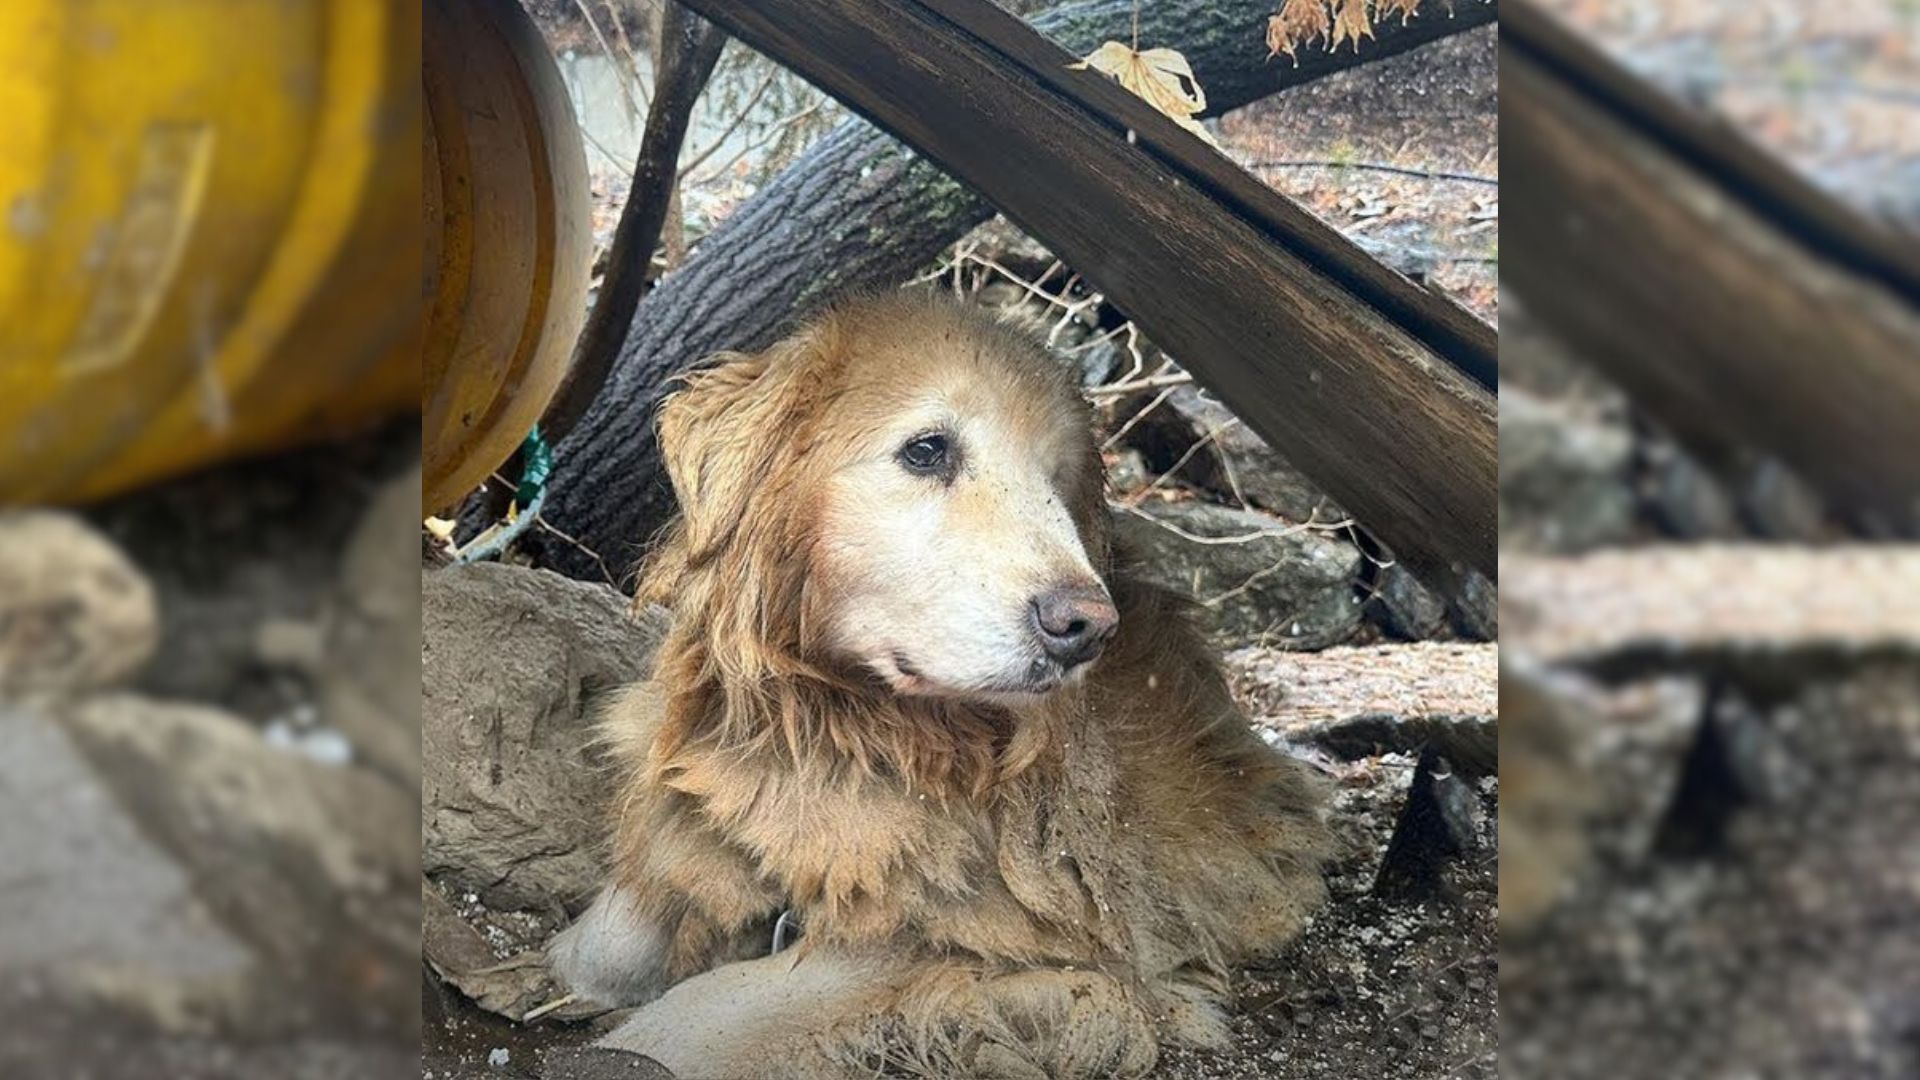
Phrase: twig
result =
(548, 527)
(1204, 441)
(773, 131)
(634, 111)
(1114, 439)
(1238, 538)
(689, 48)
(1375, 166)
(551, 1006)
(739, 118)
(612, 159)
(1122, 389)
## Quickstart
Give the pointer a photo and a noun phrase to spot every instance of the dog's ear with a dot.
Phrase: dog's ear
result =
(720, 436)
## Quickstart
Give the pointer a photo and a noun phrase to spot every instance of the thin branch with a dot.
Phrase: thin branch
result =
(1199, 444)
(1377, 166)
(634, 111)
(1114, 439)
(1121, 389)
(689, 48)
(774, 130)
(739, 118)
(612, 159)
(1238, 538)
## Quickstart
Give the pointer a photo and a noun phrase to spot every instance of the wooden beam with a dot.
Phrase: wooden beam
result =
(1372, 386)
(1734, 301)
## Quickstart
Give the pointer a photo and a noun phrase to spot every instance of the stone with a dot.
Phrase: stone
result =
(1287, 587)
(1236, 465)
(312, 865)
(1406, 608)
(601, 1063)
(514, 661)
(1687, 500)
(85, 896)
(1564, 483)
(369, 677)
(75, 613)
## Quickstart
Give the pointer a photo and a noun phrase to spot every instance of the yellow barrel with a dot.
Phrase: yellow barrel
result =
(209, 232)
(509, 238)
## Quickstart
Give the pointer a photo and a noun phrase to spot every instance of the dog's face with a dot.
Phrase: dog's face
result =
(947, 540)
(944, 495)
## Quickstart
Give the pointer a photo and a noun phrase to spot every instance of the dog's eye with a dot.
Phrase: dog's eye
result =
(927, 454)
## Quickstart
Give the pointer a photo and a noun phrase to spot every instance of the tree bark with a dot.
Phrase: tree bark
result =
(857, 211)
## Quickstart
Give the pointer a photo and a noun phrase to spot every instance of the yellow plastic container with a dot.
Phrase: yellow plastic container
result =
(509, 238)
(210, 232)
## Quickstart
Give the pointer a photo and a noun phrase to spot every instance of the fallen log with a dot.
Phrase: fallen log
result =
(859, 211)
(1766, 618)
(1735, 302)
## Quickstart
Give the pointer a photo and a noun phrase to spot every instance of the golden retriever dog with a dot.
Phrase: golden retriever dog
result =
(914, 703)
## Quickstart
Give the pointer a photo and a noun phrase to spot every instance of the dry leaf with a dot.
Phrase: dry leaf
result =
(1162, 77)
(1298, 22)
(1350, 22)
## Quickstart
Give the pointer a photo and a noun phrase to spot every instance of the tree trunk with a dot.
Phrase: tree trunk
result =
(859, 210)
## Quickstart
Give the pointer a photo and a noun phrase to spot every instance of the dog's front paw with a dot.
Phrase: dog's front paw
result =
(611, 955)
(1058, 1024)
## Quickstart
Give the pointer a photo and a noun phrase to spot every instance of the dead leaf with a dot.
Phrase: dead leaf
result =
(1298, 22)
(1161, 77)
(1350, 21)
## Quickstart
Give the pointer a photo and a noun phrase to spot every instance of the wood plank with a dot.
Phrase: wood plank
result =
(1731, 300)
(1467, 341)
(1374, 413)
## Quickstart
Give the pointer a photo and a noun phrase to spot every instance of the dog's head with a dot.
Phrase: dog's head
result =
(904, 488)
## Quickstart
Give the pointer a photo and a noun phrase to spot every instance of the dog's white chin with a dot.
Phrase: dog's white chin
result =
(1012, 686)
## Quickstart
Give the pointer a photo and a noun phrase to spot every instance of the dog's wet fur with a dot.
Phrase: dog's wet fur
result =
(1023, 839)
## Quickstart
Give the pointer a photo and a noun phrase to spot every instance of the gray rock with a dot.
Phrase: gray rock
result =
(513, 661)
(369, 679)
(1288, 588)
(1686, 499)
(1564, 484)
(1236, 465)
(1782, 506)
(85, 896)
(459, 954)
(1408, 609)
(1533, 360)
(74, 612)
(1475, 608)
(313, 866)
(1470, 743)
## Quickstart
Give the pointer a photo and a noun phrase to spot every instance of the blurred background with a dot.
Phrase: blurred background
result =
(1710, 690)
(210, 256)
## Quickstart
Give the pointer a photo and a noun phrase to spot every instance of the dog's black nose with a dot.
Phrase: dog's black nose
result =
(1074, 622)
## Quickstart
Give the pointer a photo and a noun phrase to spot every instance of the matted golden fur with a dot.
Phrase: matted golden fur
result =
(875, 710)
